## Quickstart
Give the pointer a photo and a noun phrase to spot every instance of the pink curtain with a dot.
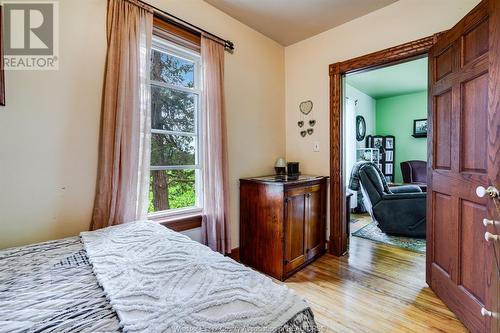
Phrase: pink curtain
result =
(124, 148)
(216, 227)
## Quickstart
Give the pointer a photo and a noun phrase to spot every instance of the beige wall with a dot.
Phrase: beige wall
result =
(49, 133)
(306, 63)
(49, 129)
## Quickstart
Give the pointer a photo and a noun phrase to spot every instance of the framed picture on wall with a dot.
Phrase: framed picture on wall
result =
(420, 128)
(389, 143)
(388, 168)
(378, 142)
(389, 156)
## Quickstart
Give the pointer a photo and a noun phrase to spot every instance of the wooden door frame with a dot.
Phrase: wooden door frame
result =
(338, 239)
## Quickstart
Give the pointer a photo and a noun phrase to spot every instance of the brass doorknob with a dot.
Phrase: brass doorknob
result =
(491, 191)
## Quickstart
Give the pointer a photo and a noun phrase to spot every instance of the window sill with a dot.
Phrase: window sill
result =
(179, 223)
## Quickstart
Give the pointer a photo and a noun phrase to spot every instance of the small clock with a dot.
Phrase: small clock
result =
(360, 128)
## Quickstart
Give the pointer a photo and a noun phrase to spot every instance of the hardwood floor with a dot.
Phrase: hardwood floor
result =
(376, 288)
(359, 221)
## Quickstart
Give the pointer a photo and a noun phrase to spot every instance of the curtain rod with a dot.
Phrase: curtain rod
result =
(228, 45)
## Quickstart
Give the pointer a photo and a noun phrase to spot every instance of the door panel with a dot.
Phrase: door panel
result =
(474, 127)
(315, 227)
(295, 231)
(460, 148)
(445, 234)
(444, 63)
(474, 250)
(476, 42)
(442, 125)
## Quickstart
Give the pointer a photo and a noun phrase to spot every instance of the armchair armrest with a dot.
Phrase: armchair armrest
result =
(402, 196)
(406, 189)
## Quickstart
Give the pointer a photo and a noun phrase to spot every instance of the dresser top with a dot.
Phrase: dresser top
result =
(275, 179)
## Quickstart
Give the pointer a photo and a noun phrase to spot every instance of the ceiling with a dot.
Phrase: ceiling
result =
(395, 80)
(290, 21)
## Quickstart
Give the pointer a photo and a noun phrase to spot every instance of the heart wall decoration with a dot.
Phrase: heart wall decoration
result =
(306, 107)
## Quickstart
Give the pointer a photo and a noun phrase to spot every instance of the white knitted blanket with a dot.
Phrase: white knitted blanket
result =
(158, 280)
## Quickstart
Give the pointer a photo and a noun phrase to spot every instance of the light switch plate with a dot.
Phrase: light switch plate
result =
(316, 146)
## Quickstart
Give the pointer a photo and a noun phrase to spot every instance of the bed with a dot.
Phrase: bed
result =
(140, 277)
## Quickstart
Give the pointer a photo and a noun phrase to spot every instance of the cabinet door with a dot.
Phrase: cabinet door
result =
(295, 249)
(315, 226)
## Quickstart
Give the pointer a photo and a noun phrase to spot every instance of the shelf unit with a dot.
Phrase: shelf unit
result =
(386, 144)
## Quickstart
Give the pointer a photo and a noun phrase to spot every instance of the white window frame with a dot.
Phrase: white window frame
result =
(164, 46)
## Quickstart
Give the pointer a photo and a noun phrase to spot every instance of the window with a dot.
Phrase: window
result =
(175, 131)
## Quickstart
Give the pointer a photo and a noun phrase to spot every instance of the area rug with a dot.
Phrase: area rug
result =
(372, 232)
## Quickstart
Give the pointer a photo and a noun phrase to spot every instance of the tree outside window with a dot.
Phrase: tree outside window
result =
(175, 110)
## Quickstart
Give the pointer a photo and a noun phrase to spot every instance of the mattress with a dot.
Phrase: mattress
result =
(53, 287)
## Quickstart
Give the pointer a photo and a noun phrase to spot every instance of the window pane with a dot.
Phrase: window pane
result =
(171, 69)
(172, 189)
(172, 150)
(172, 110)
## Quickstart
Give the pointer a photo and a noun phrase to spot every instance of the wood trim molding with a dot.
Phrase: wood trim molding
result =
(181, 224)
(338, 241)
(235, 254)
(392, 55)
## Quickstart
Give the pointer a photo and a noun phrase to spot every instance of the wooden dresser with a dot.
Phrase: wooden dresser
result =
(282, 223)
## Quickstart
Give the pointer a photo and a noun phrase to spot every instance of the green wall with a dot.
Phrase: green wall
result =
(394, 116)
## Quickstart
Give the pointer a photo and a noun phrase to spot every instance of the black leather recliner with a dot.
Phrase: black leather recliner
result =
(398, 210)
